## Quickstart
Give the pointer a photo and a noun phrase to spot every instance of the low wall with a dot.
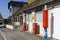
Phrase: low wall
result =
(9, 26)
(17, 23)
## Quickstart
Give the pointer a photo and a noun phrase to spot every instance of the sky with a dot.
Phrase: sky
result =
(4, 8)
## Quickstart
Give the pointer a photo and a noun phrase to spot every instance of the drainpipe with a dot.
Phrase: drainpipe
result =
(45, 22)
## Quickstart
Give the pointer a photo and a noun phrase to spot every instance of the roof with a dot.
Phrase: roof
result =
(27, 6)
(34, 4)
(16, 3)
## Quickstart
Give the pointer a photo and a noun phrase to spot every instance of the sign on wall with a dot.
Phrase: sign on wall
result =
(33, 16)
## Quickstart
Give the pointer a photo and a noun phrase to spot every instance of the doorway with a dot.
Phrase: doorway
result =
(21, 20)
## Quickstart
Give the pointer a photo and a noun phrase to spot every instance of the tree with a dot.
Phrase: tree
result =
(30, 1)
(0, 15)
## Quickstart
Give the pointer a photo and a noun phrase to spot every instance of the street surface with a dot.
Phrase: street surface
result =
(17, 35)
(1, 37)
(8, 34)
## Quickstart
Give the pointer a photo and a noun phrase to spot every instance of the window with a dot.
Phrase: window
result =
(38, 16)
(30, 17)
(15, 19)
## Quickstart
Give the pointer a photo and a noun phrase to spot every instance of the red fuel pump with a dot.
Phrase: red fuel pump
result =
(35, 28)
(25, 26)
(45, 22)
(45, 18)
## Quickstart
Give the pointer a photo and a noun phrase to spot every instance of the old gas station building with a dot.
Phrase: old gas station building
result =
(29, 17)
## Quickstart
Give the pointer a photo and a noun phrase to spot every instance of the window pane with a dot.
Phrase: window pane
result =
(30, 17)
(38, 16)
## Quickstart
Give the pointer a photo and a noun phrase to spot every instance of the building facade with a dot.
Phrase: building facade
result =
(33, 17)
(14, 6)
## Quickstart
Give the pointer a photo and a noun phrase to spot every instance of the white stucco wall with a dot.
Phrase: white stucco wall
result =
(49, 23)
(9, 26)
(30, 28)
(56, 27)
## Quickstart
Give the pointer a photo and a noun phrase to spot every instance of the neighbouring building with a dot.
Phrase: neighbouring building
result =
(13, 6)
(33, 13)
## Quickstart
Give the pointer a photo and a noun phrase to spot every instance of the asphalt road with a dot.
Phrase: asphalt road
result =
(1, 37)
(17, 35)
(8, 34)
